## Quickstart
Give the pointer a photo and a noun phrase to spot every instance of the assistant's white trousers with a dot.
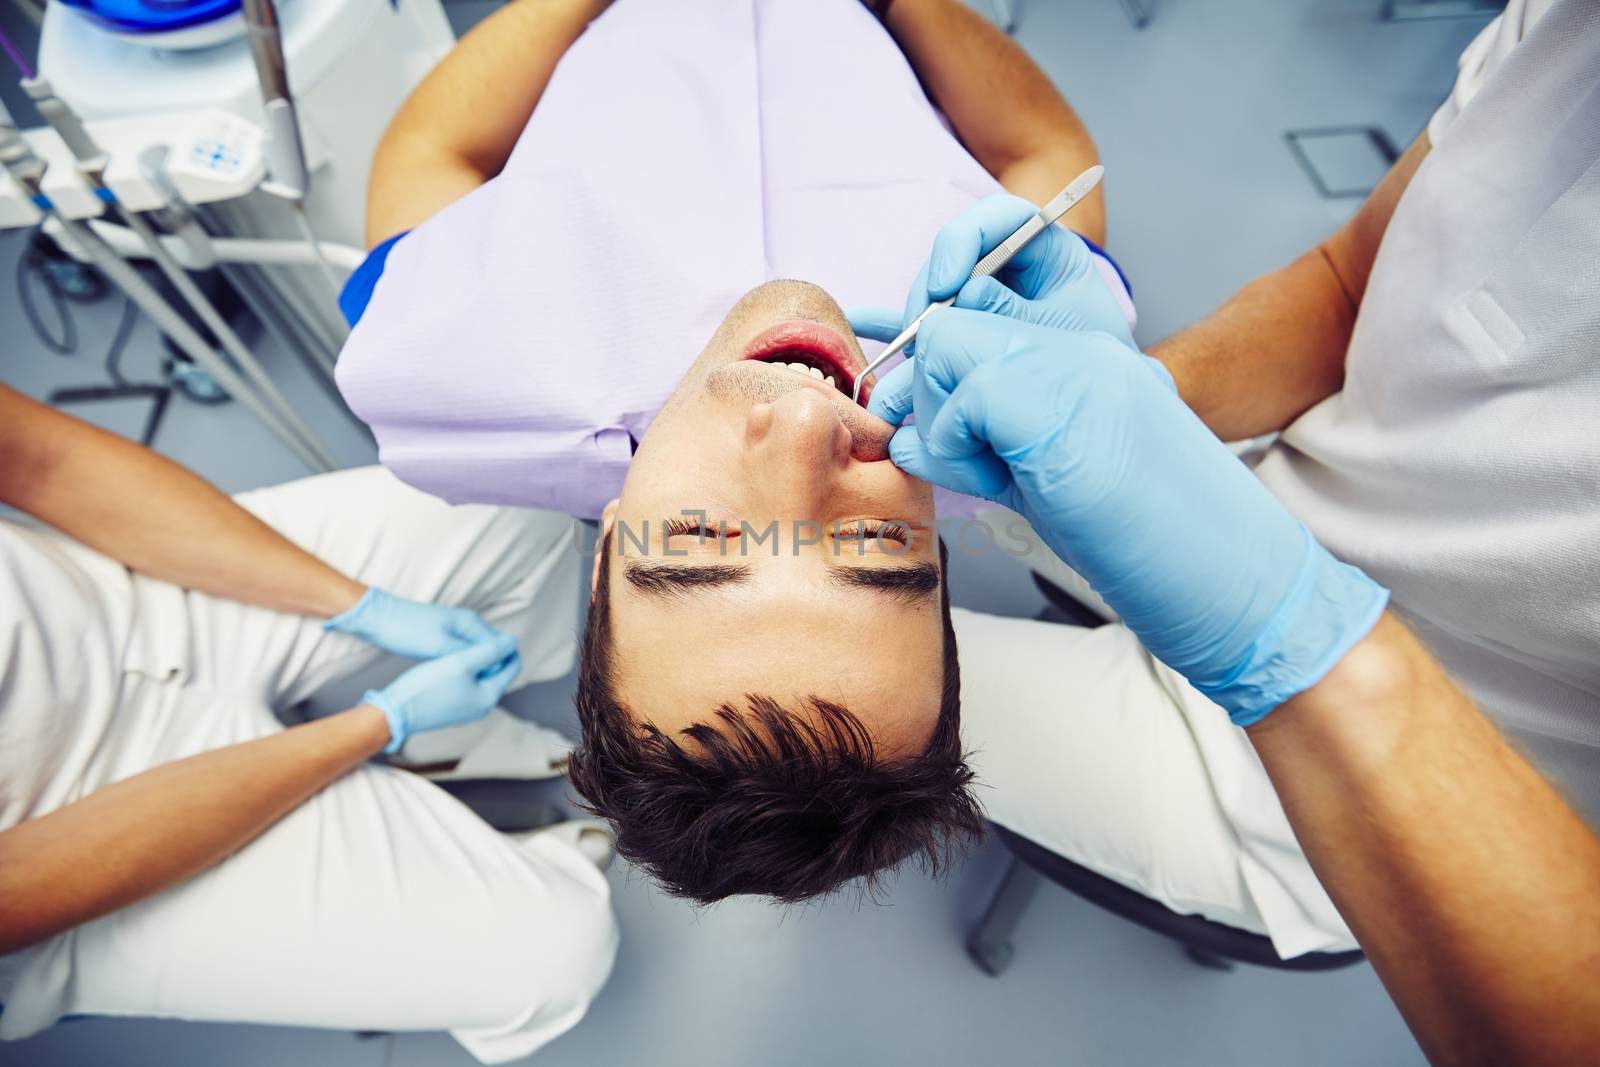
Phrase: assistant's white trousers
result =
(381, 903)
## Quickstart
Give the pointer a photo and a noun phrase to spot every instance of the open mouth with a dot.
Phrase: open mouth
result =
(800, 361)
(811, 350)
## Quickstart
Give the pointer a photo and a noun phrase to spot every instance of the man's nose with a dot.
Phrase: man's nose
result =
(799, 431)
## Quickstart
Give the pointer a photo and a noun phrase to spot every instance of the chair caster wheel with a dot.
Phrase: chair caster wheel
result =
(991, 959)
(1209, 960)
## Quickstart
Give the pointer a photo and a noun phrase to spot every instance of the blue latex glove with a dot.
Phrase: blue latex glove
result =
(411, 628)
(1133, 491)
(1053, 281)
(447, 691)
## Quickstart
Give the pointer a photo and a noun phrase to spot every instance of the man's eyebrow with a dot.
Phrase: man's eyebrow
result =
(667, 579)
(908, 581)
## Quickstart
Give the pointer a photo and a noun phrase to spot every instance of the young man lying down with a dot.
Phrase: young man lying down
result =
(563, 213)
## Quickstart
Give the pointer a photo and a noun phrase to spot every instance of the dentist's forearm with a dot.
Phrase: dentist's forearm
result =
(458, 127)
(1277, 348)
(134, 838)
(1003, 107)
(1272, 352)
(1473, 888)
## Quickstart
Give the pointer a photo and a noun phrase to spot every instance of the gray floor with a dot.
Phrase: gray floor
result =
(1204, 194)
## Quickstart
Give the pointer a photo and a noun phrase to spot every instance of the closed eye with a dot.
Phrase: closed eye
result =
(697, 528)
(873, 530)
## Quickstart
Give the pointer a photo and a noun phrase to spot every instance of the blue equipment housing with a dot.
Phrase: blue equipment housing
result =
(154, 16)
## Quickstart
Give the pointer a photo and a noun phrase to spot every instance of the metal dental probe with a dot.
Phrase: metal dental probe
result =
(990, 264)
(92, 164)
(24, 165)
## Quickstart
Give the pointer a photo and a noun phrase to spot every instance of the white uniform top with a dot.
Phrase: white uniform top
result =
(1460, 465)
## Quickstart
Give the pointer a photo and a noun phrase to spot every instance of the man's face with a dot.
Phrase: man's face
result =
(794, 601)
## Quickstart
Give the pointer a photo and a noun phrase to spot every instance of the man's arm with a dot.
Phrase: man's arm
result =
(458, 127)
(1002, 106)
(1277, 347)
(154, 516)
(141, 835)
(1473, 888)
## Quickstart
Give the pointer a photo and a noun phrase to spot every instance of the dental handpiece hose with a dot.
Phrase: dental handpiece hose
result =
(288, 173)
(92, 164)
(24, 165)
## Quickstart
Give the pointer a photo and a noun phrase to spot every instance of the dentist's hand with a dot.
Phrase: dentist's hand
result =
(1053, 281)
(1127, 485)
(447, 691)
(411, 628)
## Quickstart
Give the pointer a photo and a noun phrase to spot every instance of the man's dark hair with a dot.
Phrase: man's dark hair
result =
(773, 801)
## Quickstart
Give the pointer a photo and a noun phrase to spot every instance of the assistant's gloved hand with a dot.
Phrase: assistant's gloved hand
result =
(447, 691)
(411, 628)
(1132, 490)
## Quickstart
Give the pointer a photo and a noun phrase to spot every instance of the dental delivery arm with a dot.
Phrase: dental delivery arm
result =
(1473, 888)
(1003, 107)
(143, 834)
(1277, 347)
(458, 127)
(153, 516)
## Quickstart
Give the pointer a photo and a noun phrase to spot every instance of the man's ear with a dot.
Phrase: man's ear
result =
(608, 520)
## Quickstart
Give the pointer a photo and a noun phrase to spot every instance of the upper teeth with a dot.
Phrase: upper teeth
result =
(803, 369)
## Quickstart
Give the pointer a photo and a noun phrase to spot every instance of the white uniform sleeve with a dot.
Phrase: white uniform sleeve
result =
(1482, 57)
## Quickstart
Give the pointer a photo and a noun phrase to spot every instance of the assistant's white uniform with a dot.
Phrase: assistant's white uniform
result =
(1460, 466)
(381, 903)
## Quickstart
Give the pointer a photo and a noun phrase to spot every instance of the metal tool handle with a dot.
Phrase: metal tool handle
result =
(65, 122)
(1076, 190)
(177, 215)
(17, 157)
(990, 264)
(288, 173)
(266, 48)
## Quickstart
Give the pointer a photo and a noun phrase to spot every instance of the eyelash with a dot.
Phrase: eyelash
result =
(691, 528)
(860, 531)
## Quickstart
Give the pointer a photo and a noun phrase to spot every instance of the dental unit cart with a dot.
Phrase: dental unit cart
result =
(169, 91)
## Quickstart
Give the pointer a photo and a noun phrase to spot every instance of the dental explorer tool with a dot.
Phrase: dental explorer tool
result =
(288, 174)
(92, 165)
(990, 264)
(19, 160)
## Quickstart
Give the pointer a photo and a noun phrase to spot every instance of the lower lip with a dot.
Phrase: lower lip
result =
(823, 343)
